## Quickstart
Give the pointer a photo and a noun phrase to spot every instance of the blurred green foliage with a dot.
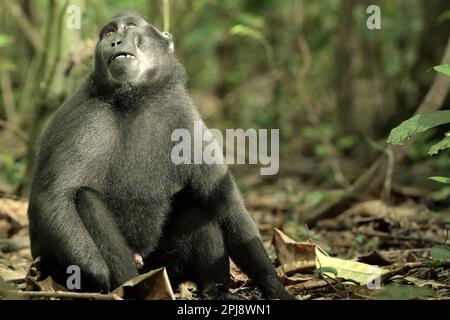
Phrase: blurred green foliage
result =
(398, 292)
(250, 63)
(11, 171)
(423, 122)
(440, 253)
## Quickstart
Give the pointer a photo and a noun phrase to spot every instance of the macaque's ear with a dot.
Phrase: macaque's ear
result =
(169, 39)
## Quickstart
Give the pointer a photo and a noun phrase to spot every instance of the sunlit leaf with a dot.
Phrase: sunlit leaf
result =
(443, 68)
(348, 269)
(5, 40)
(441, 145)
(417, 124)
(245, 31)
(440, 179)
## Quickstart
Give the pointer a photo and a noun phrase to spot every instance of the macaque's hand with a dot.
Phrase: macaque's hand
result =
(138, 261)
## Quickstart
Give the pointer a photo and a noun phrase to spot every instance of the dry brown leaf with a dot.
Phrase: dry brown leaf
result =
(238, 278)
(153, 285)
(186, 289)
(8, 292)
(378, 209)
(14, 244)
(15, 210)
(10, 275)
(33, 275)
(406, 257)
(295, 279)
(254, 200)
(426, 283)
(376, 258)
(5, 228)
(25, 254)
(293, 255)
(49, 285)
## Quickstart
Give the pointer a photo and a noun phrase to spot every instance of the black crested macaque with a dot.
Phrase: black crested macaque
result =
(105, 192)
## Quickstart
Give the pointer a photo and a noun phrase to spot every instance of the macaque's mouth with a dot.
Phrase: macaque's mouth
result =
(122, 56)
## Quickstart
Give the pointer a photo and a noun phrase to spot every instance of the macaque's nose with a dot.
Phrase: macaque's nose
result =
(116, 43)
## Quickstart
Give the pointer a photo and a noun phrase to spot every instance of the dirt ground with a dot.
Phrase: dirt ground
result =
(402, 242)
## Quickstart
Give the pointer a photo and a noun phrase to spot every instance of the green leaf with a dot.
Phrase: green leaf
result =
(9, 66)
(310, 132)
(441, 194)
(348, 269)
(440, 253)
(254, 21)
(327, 270)
(440, 179)
(394, 292)
(417, 124)
(320, 150)
(441, 145)
(443, 68)
(444, 16)
(245, 31)
(346, 142)
(5, 40)
(313, 198)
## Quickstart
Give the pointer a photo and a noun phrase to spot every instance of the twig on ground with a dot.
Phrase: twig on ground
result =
(65, 295)
(327, 278)
(395, 237)
(414, 265)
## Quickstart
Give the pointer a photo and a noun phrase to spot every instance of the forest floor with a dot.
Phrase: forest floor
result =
(381, 251)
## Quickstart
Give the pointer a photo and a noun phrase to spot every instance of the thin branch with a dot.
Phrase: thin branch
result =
(11, 127)
(387, 185)
(316, 284)
(64, 295)
(395, 237)
(28, 29)
(59, 36)
(338, 205)
(413, 265)
(166, 14)
(327, 278)
(27, 90)
(8, 97)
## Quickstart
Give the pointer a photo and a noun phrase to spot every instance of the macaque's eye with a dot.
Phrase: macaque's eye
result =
(109, 33)
(128, 26)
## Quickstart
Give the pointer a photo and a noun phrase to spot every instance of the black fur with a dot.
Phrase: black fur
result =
(105, 187)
